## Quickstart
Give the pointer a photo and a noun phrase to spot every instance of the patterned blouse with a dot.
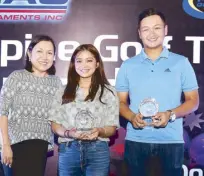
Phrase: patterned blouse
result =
(26, 99)
(86, 114)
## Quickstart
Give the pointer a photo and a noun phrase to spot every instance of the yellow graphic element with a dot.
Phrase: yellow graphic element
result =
(193, 6)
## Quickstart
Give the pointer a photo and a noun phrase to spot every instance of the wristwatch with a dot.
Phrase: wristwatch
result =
(172, 116)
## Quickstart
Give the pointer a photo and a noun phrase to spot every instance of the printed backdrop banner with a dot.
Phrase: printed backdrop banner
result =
(111, 25)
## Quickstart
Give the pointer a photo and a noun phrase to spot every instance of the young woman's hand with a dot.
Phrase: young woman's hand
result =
(93, 134)
(83, 135)
(77, 134)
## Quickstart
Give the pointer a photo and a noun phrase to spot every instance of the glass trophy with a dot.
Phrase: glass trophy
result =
(84, 121)
(148, 108)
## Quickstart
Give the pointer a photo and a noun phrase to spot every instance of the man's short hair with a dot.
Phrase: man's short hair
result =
(149, 12)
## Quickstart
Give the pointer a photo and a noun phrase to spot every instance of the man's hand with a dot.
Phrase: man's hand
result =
(137, 121)
(161, 119)
(7, 155)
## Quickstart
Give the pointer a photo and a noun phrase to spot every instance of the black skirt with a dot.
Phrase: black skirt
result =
(29, 158)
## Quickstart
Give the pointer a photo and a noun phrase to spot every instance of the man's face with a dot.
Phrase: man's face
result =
(152, 31)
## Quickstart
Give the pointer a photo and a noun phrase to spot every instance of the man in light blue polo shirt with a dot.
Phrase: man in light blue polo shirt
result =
(160, 74)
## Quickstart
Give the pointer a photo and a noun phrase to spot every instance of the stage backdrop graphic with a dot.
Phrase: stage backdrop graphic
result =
(111, 25)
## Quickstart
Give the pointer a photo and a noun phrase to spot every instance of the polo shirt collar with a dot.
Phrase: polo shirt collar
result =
(164, 54)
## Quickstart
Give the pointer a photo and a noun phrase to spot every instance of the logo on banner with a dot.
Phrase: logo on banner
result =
(194, 8)
(33, 10)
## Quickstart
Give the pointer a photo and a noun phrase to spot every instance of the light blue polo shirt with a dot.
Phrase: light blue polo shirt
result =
(163, 79)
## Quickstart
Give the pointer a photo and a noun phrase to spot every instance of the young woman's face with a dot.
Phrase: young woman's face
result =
(85, 64)
(42, 56)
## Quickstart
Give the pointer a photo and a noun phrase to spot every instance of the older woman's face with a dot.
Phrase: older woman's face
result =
(42, 56)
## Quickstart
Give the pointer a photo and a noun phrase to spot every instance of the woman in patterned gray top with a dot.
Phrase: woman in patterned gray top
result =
(25, 100)
(88, 116)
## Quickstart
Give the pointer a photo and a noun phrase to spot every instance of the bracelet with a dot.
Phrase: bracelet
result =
(66, 133)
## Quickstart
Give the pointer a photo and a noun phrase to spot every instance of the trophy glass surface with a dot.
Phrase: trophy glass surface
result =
(148, 108)
(84, 121)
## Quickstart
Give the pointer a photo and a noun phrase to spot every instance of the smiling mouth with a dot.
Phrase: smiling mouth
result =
(85, 70)
(43, 63)
(153, 40)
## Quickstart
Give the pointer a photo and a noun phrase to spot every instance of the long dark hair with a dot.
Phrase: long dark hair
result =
(35, 41)
(98, 79)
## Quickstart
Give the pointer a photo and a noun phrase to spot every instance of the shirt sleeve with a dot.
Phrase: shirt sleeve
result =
(112, 118)
(188, 77)
(56, 110)
(122, 84)
(7, 95)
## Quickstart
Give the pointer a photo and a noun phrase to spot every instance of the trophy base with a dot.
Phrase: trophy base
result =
(84, 130)
(148, 120)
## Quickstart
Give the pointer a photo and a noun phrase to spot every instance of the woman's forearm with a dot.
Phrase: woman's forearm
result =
(58, 129)
(107, 131)
(4, 131)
